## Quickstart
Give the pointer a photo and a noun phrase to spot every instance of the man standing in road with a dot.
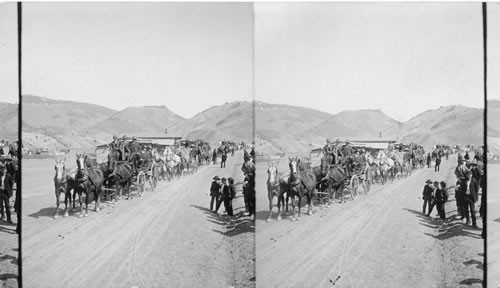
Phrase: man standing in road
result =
(427, 195)
(223, 158)
(215, 194)
(227, 195)
(470, 187)
(6, 183)
(438, 162)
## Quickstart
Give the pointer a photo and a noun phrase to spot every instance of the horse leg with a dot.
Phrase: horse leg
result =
(281, 205)
(294, 216)
(97, 200)
(87, 196)
(309, 206)
(299, 205)
(67, 197)
(270, 196)
(74, 200)
(80, 196)
(58, 192)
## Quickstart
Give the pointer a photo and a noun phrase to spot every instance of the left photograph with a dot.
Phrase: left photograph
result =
(138, 157)
(9, 175)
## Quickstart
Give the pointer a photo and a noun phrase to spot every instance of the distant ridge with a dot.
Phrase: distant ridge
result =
(279, 128)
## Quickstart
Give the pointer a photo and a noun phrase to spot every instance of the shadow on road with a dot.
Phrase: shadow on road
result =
(44, 212)
(235, 225)
(470, 281)
(448, 228)
(10, 258)
(7, 276)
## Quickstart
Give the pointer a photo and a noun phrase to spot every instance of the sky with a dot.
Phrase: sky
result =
(493, 20)
(402, 58)
(186, 56)
(8, 53)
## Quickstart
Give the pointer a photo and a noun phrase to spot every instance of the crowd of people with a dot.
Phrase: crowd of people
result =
(223, 190)
(470, 181)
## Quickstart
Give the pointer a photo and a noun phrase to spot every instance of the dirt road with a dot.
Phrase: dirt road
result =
(168, 238)
(493, 224)
(378, 240)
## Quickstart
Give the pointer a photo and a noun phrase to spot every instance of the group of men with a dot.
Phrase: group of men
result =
(344, 155)
(222, 191)
(127, 148)
(470, 179)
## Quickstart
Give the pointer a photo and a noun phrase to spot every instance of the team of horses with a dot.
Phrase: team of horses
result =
(303, 181)
(89, 177)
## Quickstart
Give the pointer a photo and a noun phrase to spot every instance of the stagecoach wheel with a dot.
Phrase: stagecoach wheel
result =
(141, 183)
(354, 186)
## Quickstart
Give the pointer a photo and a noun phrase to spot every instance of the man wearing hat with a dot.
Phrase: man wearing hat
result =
(427, 195)
(215, 193)
(337, 152)
(461, 170)
(470, 188)
(6, 183)
(226, 197)
(134, 146)
(347, 151)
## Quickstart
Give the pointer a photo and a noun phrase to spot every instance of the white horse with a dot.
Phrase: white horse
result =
(172, 162)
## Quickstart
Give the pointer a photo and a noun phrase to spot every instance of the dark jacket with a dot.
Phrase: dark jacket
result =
(8, 183)
(226, 192)
(427, 193)
(134, 146)
(347, 150)
(438, 160)
(215, 189)
(474, 189)
(441, 195)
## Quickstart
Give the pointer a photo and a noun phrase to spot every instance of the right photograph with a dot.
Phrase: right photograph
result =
(369, 140)
(493, 126)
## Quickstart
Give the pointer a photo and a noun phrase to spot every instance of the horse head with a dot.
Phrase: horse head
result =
(293, 165)
(60, 167)
(80, 161)
(272, 173)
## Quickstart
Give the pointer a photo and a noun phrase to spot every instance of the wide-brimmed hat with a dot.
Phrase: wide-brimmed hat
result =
(338, 140)
(8, 157)
(216, 178)
(473, 162)
(428, 181)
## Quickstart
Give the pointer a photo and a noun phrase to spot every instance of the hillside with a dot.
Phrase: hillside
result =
(450, 124)
(139, 121)
(56, 125)
(59, 116)
(8, 121)
(279, 128)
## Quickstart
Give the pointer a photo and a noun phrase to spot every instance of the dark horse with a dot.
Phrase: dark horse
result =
(122, 175)
(301, 183)
(87, 180)
(334, 177)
